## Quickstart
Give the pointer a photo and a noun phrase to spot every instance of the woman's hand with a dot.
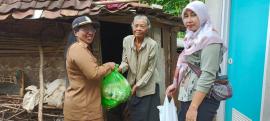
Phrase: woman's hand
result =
(110, 64)
(192, 113)
(170, 90)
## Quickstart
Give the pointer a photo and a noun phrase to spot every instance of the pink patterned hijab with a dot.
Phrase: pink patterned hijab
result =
(195, 41)
(205, 35)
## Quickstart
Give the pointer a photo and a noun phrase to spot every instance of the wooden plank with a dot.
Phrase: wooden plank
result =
(161, 64)
(167, 52)
(174, 55)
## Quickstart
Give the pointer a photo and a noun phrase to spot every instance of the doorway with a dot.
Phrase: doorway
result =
(112, 35)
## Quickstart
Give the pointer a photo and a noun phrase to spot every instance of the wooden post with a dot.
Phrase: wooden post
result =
(41, 85)
(21, 83)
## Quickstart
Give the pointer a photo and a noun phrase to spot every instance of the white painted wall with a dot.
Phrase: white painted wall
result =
(215, 11)
(219, 13)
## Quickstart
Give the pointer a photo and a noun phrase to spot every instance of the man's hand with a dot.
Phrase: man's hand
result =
(120, 69)
(134, 88)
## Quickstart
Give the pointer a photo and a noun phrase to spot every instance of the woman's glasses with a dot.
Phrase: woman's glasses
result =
(88, 28)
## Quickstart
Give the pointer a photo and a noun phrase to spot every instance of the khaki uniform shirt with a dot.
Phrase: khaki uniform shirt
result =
(141, 65)
(82, 97)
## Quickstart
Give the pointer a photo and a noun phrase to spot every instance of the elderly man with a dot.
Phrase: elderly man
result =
(82, 97)
(139, 59)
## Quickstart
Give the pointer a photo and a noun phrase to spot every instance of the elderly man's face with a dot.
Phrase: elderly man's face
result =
(139, 27)
(86, 33)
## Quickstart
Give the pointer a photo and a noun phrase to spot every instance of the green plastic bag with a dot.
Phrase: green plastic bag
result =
(114, 89)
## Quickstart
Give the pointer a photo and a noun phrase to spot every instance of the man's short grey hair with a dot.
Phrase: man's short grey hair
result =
(137, 17)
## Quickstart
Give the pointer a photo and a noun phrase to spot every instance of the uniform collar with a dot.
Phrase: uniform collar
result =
(84, 45)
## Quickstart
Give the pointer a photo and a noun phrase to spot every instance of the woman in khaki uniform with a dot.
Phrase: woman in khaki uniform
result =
(82, 97)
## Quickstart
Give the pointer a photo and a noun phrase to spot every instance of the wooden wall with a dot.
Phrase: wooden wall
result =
(166, 37)
(19, 43)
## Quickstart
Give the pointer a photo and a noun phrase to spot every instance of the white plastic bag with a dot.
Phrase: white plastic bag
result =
(167, 111)
(31, 98)
(54, 94)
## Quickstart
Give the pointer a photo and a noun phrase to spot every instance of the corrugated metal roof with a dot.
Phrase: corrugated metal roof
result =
(51, 9)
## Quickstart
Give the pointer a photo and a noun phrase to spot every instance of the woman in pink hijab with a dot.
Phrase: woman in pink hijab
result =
(202, 47)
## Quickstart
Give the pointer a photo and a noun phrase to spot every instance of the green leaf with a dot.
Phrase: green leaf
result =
(173, 7)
